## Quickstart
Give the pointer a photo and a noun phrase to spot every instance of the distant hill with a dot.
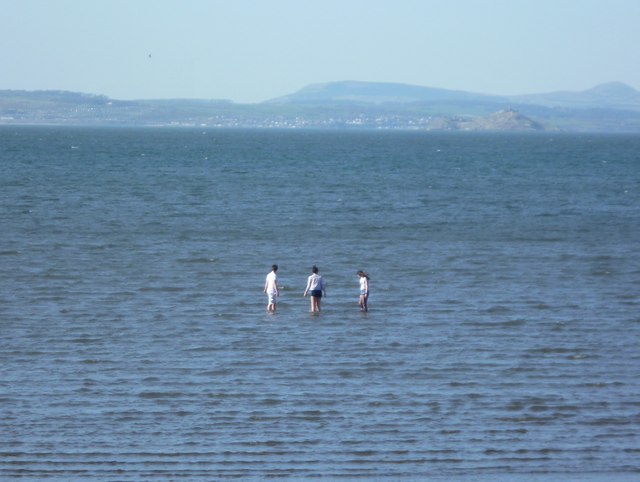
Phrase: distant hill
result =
(610, 107)
(611, 95)
(377, 93)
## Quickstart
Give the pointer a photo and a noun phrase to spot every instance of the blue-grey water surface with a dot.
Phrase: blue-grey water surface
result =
(502, 341)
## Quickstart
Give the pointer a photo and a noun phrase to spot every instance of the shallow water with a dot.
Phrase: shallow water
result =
(501, 341)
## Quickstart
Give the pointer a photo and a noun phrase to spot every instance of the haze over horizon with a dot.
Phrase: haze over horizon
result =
(251, 51)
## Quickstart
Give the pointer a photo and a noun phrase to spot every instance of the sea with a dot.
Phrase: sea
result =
(502, 341)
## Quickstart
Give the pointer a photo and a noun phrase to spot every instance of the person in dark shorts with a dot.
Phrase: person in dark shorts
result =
(315, 289)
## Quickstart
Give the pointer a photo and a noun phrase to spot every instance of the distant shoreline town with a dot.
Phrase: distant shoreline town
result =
(611, 107)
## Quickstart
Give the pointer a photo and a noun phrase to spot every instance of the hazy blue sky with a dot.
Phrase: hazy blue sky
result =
(254, 50)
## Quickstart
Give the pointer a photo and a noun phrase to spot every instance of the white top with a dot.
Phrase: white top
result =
(364, 285)
(315, 282)
(271, 285)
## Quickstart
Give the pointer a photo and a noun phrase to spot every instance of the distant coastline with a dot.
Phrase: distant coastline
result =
(611, 107)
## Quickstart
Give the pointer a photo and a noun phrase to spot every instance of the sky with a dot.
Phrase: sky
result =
(250, 51)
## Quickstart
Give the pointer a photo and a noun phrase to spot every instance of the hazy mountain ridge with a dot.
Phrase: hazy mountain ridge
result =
(609, 107)
(612, 95)
(608, 95)
(378, 92)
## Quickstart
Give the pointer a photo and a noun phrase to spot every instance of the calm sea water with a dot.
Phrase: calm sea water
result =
(502, 341)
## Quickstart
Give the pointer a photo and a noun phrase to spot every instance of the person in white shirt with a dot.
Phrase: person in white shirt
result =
(271, 288)
(315, 288)
(364, 290)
